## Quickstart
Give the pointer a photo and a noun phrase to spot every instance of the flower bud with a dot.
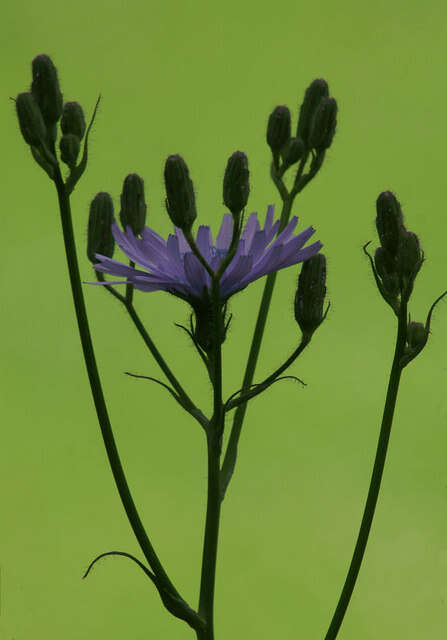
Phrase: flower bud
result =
(310, 294)
(236, 187)
(292, 151)
(322, 128)
(30, 119)
(409, 258)
(99, 232)
(417, 335)
(73, 120)
(133, 205)
(389, 221)
(386, 268)
(317, 90)
(45, 88)
(278, 127)
(69, 146)
(180, 201)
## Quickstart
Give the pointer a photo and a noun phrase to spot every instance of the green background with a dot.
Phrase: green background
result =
(200, 79)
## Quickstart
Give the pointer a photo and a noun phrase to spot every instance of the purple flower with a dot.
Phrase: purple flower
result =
(171, 266)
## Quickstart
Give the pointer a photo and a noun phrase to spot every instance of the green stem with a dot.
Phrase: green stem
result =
(98, 396)
(214, 445)
(376, 477)
(231, 451)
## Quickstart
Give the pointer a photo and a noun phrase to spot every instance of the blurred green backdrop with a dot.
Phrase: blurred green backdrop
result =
(200, 79)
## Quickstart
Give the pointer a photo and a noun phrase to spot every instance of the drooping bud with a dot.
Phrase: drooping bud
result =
(417, 335)
(317, 90)
(386, 268)
(69, 146)
(310, 294)
(46, 90)
(99, 232)
(236, 186)
(409, 258)
(292, 151)
(180, 201)
(30, 119)
(389, 221)
(323, 124)
(278, 127)
(133, 204)
(73, 120)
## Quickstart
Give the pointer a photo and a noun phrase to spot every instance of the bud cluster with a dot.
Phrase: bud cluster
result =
(315, 130)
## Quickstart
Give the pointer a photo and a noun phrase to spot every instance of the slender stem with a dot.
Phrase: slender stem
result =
(376, 477)
(231, 451)
(98, 396)
(214, 445)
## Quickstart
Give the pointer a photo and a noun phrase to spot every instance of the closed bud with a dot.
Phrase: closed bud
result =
(99, 232)
(317, 90)
(30, 119)
(133, 205)
(46, 90)
(278, 127)
(73, 120)
(69, 146)
(236, 187)
(387, 270)
(409, 257)
(310, 294)
(417, 335)
(389, 221)
(180, 201)
(292, 151)
(323, 124)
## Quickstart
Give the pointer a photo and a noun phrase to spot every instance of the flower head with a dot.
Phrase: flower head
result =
(172, 266)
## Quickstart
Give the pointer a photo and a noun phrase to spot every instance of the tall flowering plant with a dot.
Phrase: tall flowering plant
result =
(206, 273)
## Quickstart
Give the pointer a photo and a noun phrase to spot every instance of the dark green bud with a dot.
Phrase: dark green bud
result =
(389, 221)
(73, 120)
(317, 90)
(99, 232)
(45, 88)
(292, 151)
(409, 258)
(417, 335)
(310, 294)
(323, 124)
(69, 146)
(278, 127)
(180, 201)
(133, 204)
(386, 268)
(236, 187)
(30, 119)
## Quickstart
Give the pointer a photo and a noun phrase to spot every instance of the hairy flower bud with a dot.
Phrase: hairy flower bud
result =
(317, 90)
(417, 335)
(322, 128)
(30, 119)
(73, 120)
(69, 146)
(236, 187)
(278, 127)
(389, 221)
(133, 205)
(45, 88)
(310, 294)
(180, 201)
(99, 231)
(292, 151)
(386, 268)
(409, 258)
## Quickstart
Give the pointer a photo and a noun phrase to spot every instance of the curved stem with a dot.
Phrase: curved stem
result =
(376, 477)
(98, 396)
